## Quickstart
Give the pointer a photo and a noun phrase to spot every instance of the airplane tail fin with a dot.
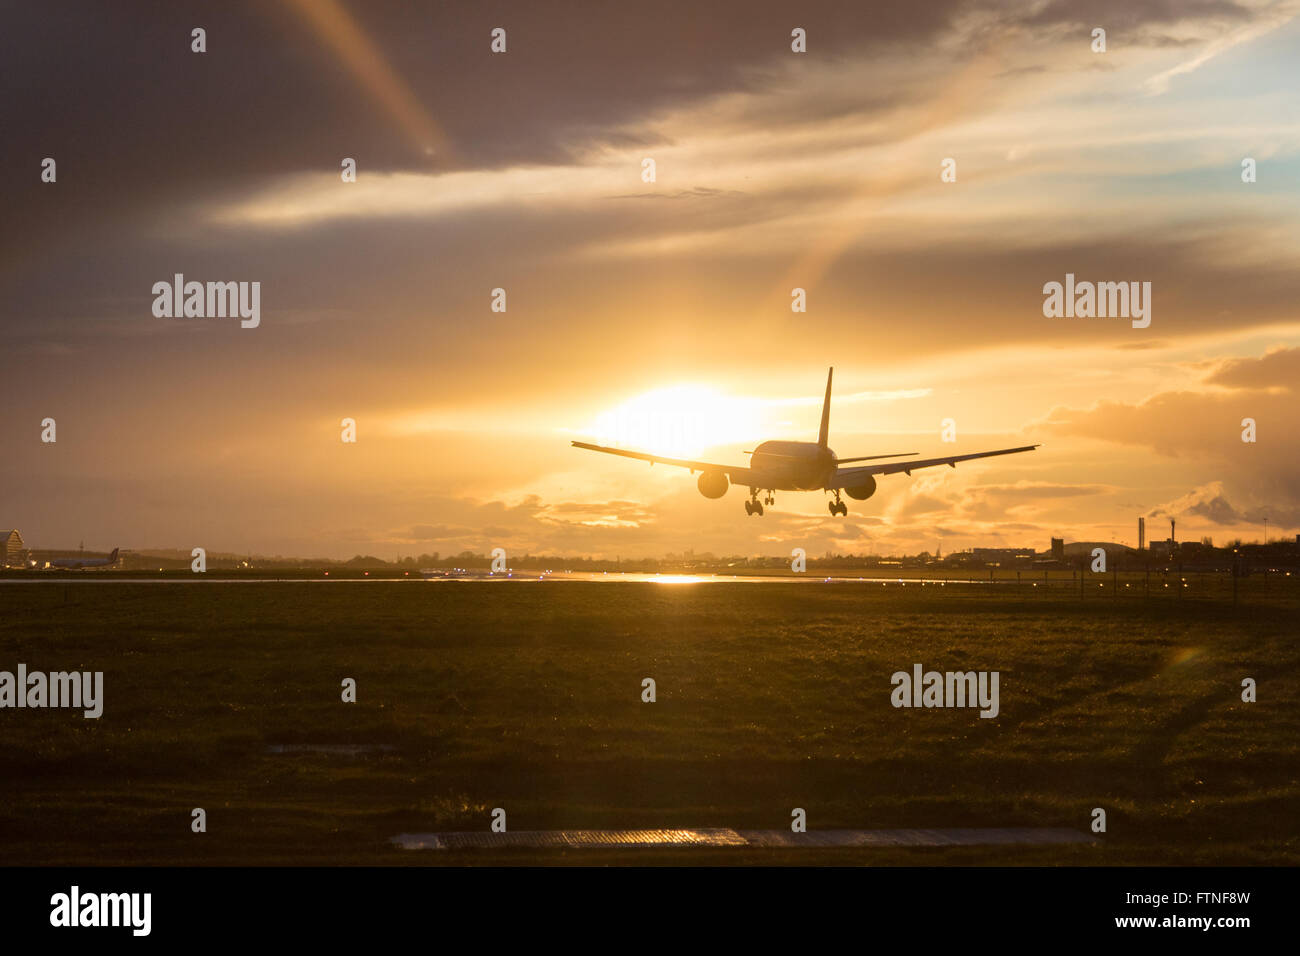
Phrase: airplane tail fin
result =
(112, 557)
(823, 436)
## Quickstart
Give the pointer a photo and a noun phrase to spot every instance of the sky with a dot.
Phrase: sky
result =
(647, 314)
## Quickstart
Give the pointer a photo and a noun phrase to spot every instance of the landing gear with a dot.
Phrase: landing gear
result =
(838, 507)
(753, 506)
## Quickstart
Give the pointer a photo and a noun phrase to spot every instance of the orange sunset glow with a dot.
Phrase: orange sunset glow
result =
(657, 315)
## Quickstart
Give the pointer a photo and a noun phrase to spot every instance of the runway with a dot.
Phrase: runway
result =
(726, 837)
(524, 578)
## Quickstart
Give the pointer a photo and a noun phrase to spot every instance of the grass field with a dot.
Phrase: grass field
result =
(528, 697)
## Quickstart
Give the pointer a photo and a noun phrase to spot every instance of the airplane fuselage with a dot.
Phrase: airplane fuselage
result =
(792, 466)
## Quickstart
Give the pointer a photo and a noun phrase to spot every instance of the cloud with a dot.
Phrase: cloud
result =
(1278, 368)
(1036, 489)
(1202, 429)
(819, 171)
(1266, 19)
(1209, 502)
(1183, 424)
(427, 532)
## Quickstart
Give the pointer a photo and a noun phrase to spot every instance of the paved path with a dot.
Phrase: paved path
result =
(722, 836)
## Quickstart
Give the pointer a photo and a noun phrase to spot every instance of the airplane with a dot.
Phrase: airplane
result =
(800, 466)
(77, 564)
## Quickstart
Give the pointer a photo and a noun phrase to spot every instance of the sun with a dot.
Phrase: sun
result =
(679, 421)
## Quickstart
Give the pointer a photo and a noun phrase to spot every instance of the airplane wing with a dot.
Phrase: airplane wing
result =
(739, 474)
(848, 477)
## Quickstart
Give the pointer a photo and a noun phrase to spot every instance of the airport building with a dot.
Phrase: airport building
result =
(13, 554)
(1003, 557)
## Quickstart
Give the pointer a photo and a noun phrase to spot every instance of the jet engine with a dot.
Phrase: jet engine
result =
(713, 484)
(863, 491)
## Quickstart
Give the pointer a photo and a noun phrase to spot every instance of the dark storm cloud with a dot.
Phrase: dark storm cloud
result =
(135, 119)
(138, 122)
(99, 326)
(1210, 503)
(143, 129)
(1124, 14)
(1218, 509)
